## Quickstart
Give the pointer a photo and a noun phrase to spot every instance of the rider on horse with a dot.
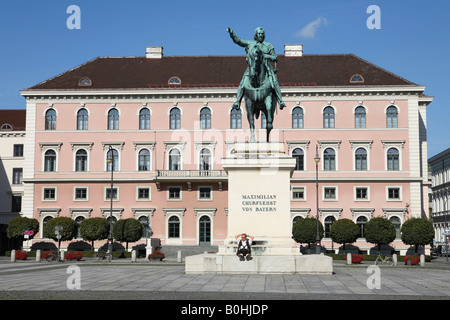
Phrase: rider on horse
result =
(268, 52)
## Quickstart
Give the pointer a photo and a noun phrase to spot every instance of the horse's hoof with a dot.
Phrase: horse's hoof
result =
(282, 105)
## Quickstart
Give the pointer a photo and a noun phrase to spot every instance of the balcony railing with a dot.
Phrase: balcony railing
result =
(180, 174)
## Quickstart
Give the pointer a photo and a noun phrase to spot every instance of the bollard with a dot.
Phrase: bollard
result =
(133, 256)
(422, 260)
(38, 255)
(62, 253)
(13, 255)
(179, 256)
(349, 258)
(395, 259)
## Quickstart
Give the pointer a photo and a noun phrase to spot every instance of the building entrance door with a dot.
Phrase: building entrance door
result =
(205, 231)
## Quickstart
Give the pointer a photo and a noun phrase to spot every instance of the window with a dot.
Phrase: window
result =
(50, 120)
(49, 194)
(329, 193)
(16, 203)
(174, 81)
(174, 227)
(327, 227)
(297, 153)
(204, 193)
(81, 193)
(361, 193)
(18, 150)
(174, 159)
(112, 157)
(357, 78)
(328, 117)
(79, 220)
(17, 175)
(145, 226)
(81, 160)
(205, 118)
(6, 126)
(392, 117)
(298, 193)
(360, 117)
(236, 119)
(143, 193)
(397, 225)
(394, 193)
(205, 159)
(44, 223)
(361, 223)
(111, 193)
(175, 118)
(113, 119)
(360, 159)
(82, 119)
(50, 161)
(174, 193)
(393, 159)
(144, 160)
(329, 160)
(85, 82)
(297, 118)
(144, 119)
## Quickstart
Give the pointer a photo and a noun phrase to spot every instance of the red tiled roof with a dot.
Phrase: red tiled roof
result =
(14, 117)
(218, 71)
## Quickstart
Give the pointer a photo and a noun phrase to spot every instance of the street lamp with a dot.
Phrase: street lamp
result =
(110, 237)
(317, 160)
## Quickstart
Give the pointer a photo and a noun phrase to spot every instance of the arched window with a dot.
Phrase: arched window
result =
(44, 223)
(79, 220)
(297, 118)
(6, 126)
(296, 219)
(205, 159)
(50, 120)
(81, 160)
(174, 159)
(328, 117)
(360, 117)
(397, 224)
(145, 226)
(236, 119)
(174, 227)
(82, 119)
(297, 153)
(393, 159)
(392, 117)
(329, 159)
(113, 119)
(144, 119)
(112, 160)
(327, 227)
(360, 159)
(205, 118)
(175, 118)
(361, 223)
(144, 160)
(50, 161)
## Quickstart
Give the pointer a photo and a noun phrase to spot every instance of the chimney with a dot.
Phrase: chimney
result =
(154, 52)
(293, 50)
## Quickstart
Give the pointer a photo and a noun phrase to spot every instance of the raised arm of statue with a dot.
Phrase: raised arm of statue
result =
(236, 39)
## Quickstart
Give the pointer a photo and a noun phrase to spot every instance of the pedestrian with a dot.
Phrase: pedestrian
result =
(244, 250)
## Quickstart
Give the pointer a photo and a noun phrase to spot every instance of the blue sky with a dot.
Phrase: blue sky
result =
(413, 42)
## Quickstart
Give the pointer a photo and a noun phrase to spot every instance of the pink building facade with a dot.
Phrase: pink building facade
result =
(167, 122)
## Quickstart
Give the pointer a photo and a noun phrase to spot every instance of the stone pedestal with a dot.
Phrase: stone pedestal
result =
(259, 205)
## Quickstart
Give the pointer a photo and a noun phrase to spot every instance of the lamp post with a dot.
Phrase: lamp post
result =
(317, 160)
(110, 237)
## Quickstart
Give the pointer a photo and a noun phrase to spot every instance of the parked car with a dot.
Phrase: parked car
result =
(437, 251)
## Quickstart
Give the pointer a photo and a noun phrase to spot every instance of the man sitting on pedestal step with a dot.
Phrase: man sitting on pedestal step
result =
(244, 246)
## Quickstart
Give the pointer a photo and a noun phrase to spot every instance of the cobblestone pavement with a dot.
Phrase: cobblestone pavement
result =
(166, 281)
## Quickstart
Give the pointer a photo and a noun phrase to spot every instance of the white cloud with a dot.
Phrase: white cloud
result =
(310, 30)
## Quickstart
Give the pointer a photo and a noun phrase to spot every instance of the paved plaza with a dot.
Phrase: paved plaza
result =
(166, 281)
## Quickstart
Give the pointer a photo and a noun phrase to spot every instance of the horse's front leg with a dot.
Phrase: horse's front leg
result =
(250, 117)
(269, 102)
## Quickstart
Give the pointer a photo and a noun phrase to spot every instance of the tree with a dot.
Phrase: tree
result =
(128, 230)
(19, 225)
(305, 231)
(68, 232)
(94, 229)
(380, 231)
(344, 231)
(417, 232)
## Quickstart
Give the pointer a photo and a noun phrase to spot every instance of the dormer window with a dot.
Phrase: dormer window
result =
(6, 126)
(174, 81)
(357, 78)
(85, 82)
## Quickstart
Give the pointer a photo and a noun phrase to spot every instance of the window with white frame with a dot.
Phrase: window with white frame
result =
(143, 194)
(298, 193)
(329, 193)
(174, 193)
(80, 193)
(49, 194)
(204, 193)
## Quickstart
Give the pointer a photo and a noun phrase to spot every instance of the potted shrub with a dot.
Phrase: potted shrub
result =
(357, 258)
(412, 259)
(157, 255)
(21, 255)
(70, 255)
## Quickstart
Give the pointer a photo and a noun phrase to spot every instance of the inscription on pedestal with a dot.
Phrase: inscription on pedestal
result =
(259, 203)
